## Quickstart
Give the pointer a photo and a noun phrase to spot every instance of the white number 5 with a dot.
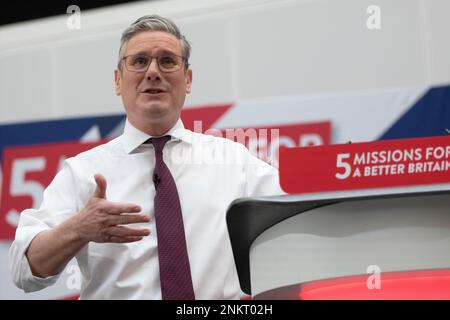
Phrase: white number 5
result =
(21, 187)
(345, 165)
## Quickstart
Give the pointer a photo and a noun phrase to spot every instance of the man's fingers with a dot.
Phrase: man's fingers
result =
(127, 219)
(115, 239)
(100, 190)
(120, 231)
(119, 208)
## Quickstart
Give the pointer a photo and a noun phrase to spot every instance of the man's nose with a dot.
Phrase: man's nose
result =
(153, 72)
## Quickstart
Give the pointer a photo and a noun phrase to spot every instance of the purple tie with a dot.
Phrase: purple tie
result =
(174, 269)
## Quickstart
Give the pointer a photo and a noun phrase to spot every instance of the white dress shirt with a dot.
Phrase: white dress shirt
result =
(209, 172)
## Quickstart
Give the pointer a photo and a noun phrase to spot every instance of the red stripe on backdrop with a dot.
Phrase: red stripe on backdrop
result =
(207, 115)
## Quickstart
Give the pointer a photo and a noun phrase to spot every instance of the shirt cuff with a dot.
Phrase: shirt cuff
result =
(20, 267)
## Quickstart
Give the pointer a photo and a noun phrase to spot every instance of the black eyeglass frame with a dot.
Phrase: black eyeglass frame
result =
(183, 59)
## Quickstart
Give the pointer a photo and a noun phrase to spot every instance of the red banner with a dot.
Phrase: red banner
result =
(26, 173)
(265, 142)
(389, 163)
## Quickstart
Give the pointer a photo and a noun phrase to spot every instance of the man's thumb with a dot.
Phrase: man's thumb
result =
(100, 191)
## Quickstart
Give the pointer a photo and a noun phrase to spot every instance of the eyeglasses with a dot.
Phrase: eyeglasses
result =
(168, 62)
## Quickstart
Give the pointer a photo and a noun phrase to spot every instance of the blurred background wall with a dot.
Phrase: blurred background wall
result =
(242, 49)
(274, 61)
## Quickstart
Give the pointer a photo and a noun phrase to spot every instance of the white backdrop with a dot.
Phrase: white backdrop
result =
(242, 49)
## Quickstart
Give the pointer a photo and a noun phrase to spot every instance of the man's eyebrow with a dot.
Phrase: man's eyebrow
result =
(138, 53)
(165, 51)
(162, 51)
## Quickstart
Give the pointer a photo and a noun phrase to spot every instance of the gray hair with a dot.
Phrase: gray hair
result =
(153, 23)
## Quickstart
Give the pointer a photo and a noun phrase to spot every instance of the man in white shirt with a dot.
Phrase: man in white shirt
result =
(100, 208)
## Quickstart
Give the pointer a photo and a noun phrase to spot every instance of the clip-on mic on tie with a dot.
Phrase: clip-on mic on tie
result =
(156, 179)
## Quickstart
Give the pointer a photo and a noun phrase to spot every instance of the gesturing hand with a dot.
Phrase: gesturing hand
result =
(102, 220)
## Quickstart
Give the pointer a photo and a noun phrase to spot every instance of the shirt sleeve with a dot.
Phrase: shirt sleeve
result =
(262, 178)
(58, 204)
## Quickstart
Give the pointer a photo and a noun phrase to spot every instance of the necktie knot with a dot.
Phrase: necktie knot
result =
(159, 143)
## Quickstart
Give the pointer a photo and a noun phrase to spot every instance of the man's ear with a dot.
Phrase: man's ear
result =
(188, 79)
(118, 82)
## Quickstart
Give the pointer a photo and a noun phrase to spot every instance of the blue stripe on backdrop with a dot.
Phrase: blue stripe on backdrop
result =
(55, 130)
(429, 116)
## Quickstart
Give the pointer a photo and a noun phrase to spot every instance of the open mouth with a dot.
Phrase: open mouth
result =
(153, 91)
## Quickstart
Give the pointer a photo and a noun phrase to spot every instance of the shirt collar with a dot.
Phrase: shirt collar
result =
(133, 137)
